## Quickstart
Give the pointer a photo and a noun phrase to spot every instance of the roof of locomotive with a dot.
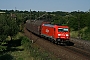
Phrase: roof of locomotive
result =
(59, 26)
(50, 25)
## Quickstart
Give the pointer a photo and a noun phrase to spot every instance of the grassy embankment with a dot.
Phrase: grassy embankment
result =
(83, 34)
(21, 48)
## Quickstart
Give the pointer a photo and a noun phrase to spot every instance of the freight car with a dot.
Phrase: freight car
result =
(55, 33)
(35, 25)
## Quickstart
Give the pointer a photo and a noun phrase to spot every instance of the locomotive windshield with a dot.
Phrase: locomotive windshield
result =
(62, 29)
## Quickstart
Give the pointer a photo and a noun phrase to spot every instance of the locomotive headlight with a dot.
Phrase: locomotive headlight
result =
(67, 35)
(59, 34)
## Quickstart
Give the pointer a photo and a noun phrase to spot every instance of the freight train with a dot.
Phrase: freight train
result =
(55, 33)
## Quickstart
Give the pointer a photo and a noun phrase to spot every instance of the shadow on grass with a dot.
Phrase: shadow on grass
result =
(6, 57)
(14, 49)
(12, 45)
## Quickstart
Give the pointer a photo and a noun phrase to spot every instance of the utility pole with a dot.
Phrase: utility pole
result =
(30, 14)
(30, 33)
(79, 18)
(38, 14)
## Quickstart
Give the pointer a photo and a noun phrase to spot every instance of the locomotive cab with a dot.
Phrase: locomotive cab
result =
(62, 34)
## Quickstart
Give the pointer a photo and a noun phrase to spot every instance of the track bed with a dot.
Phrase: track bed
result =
(62, 52)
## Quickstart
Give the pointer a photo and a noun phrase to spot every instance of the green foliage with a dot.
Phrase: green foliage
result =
(86, 34)
(3, 32)
(12, 27)
(25, 40)
(3, 48)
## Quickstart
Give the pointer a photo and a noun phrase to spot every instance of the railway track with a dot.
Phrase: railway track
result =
(82, 44)
(63, 52)
(78, 50)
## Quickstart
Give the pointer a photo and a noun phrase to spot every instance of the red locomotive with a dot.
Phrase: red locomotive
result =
(55, 33)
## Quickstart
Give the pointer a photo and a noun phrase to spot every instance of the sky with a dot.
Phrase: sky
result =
(45, 5)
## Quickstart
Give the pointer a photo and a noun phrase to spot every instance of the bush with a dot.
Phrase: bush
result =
(24, 40)
(2, 48)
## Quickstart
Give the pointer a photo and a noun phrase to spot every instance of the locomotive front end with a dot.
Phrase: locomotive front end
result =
(63, 34)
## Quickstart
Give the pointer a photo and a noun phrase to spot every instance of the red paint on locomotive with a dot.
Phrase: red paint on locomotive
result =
(58, 33)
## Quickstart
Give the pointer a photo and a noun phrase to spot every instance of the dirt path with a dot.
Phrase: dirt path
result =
(59, 51)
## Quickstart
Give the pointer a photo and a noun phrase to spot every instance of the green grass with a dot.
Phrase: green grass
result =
(25, 51)
(74, 34)
(21, 55)
(83, 34)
